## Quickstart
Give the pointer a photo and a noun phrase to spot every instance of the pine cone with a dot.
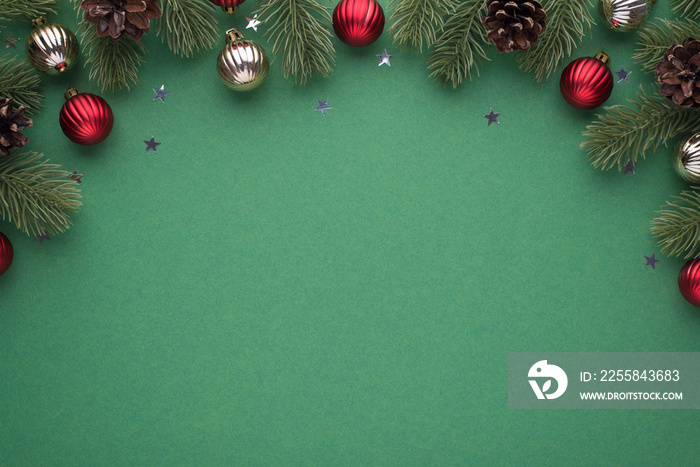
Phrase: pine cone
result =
(116, 17)
(10, 126)
(679, 75)
(514, 24)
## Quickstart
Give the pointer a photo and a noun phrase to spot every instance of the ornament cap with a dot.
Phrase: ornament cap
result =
(72, 92)
(231, 10)
(232, 35)
(40, 21)
(603, 57)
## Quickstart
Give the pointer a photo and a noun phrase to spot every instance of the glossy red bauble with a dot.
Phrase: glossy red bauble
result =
(86, 118)
(358, 22)
(587, 82)
(689, 281)
(6, 253)
(229, 6)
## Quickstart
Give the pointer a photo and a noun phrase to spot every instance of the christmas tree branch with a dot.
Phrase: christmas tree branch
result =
(567, 23)
(678, 226)
(415, 21)
(300, 31)
(113, 64)
(656, 38)
(690, 8)
(20, 82)
(624, 133)
(36, 195)
(460, 44)
(26, 9)
(189, 25)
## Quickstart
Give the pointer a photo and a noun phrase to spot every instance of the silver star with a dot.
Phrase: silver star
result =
(629, 167)
(323, 106)
(651, 260)
(384, 58)
(493, 117)
(76, 177)
(11, 42)
(253, 23)
(160, 94)
(42, 236)
(622, 74)
(151, 145)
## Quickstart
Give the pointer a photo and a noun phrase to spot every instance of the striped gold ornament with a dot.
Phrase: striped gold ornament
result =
(51, 48)
(686, 158)
(624, 15)
(243, 65)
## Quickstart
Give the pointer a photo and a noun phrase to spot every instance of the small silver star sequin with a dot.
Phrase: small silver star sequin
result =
(492, 117)
(629, 167)
(42, 236)
(253, 23)
(160, 94)
(152, 145)
(11, 42)
(651, 261)
(384, 58)
(622, 74)
(323, 106)
(76, 177)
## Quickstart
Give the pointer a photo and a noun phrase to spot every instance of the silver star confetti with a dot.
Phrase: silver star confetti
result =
(11, 42)
(42, 236)
(253, 23)
(384, 58)
(492, 117)
(76, 177)
(651, 261)
(152, 145)
(323, 106)
(160, 94)
(622, 74)
(629, 167)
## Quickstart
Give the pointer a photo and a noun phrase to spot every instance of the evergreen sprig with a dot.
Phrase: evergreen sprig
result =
(416, 21)
(625, 133)
(567, 23)
(21, 82)
(656, 38)
(689, 8)
(189, 25)
(299, 30)
(460, 45)
(36, 195)
(26, 9)
(113, 64)
(678, 226)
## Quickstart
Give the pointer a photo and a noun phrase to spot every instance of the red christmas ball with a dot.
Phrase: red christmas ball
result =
(358, 22)
(689, 281)
(86, 118)
(6, 253)
(587, 82)
(229, 6)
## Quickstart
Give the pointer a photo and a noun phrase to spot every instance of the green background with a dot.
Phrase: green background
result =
(279, 287)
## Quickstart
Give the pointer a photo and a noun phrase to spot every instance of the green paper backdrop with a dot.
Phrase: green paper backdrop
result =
(282, 288)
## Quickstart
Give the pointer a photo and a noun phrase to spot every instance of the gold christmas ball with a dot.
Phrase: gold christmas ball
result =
(624, 15)
(242, 64)
(686, 158)
(51, 48)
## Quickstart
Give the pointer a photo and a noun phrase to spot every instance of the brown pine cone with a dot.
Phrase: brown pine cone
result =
(116, 17)
(10, 126)
(678, 74)
(514, 24)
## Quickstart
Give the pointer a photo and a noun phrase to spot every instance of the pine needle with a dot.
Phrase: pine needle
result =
(678, 226)
(189, 25)
(625, 133)
(20, 81)
(567, 23)
(26, 9)
(459, 47)
(36, 195)
(416, 21)
(656, 38)
(113, 64)
(689, 8)
(299, 31)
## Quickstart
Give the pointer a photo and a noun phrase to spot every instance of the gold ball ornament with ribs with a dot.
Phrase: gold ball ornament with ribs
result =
(624, 15)
(51, 48)
(686, 158)
(243, 65)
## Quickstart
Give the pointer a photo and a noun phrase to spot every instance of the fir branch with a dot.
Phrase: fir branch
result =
(459, 47)
(300, 32)
(567, 22)
(189, 25)
(20, 81)
(656, 38)
(36, 195)
(26, 9)
(624, 133)
(690, 8)
(415, 21)
(113, 64)
(678, 226)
